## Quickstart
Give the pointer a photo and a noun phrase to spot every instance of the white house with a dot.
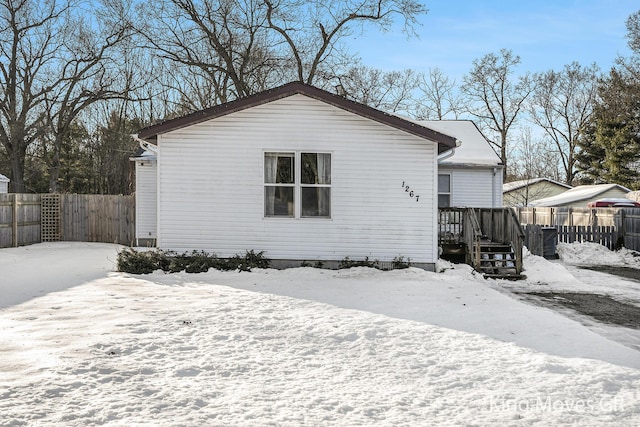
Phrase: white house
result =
(523, 192)
(4, 184)
(581, 195)
(297, 172)
(471, 174)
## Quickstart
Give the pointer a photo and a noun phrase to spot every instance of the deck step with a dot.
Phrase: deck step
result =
(498, 261)
(514, 276)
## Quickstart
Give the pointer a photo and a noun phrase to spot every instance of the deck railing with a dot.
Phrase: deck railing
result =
(469, 226)
(460, 226)
(502, 225)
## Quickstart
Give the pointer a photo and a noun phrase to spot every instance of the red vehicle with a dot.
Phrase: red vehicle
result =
(614, 203)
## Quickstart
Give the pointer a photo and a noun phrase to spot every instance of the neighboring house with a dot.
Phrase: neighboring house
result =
(471, 176)
(521, 193)
(580, 196)
(297, 172)
(4, 184)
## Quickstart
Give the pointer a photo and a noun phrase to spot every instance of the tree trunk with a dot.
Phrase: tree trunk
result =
(54, 172)
(17, 172)
(503, 154)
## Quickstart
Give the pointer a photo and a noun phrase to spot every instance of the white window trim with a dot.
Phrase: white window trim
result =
(450, 193)
(297, 183)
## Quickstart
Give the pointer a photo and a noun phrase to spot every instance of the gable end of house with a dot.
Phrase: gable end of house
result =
(445, 142)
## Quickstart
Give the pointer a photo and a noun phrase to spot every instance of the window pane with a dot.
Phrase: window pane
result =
(444, 183)
(444, 200)
(278, 201)
(316, 168)
(278, 168)
(316, 201)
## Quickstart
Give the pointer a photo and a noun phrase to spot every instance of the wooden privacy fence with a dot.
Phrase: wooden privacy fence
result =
(610, 227)
(19, 219)
(33, 218)
(542, 240)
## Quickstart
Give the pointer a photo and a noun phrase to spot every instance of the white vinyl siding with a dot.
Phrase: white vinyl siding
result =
(475, 187)
(146, 199)
(212, 186)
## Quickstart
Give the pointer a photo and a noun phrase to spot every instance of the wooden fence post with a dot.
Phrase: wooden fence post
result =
(570, 215)
(533, 216)
(622, 229)
(14, 221)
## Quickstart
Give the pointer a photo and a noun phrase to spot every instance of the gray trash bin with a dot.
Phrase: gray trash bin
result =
(549, 242)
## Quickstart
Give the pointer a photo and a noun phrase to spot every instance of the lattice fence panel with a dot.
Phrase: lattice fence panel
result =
(50, 218)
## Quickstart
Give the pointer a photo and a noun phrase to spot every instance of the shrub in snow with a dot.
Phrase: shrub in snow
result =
(399, 263)
(145, 262)
(131, 261)
(349, 263)
(255, 260)
(317, 264)
(251, 259)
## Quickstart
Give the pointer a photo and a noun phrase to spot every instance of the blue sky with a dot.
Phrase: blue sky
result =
(545, 34)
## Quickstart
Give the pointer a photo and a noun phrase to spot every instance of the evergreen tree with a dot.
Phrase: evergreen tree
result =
(610, 149)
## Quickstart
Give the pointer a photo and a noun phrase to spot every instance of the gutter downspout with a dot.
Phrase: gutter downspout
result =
(493, 190)
(449, 152)
(145, 145)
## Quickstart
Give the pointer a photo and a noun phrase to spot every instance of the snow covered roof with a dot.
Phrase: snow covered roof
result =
(4, 178)
(576, 194)
(475, 149)
(514, 185)
(634, 195)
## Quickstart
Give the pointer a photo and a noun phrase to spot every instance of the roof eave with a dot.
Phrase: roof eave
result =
(150, 133)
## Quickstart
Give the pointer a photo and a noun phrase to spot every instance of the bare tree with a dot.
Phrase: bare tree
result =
(28, 45)
(312, 29)
(439, 96)
(633, 31)
(562, 105)
(88, 71)
(631, 64)
(494, 98)
(227, 41)
(55, 67)
(390, 91)
(241, 47)
(534, 157)
(532, 160)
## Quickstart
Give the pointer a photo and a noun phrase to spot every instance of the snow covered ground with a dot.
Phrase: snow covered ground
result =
(83, 345)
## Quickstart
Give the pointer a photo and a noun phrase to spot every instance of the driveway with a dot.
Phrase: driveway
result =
(602, 308)
(606, 299)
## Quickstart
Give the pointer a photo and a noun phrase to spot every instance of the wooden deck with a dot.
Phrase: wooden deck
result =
(488, 239)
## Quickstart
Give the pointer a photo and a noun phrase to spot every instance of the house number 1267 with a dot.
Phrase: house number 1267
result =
(408, 189)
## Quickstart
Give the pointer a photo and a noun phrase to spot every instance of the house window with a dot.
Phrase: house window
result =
(279, 184)
(293, 177)
(315, 187)
(444, 190)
